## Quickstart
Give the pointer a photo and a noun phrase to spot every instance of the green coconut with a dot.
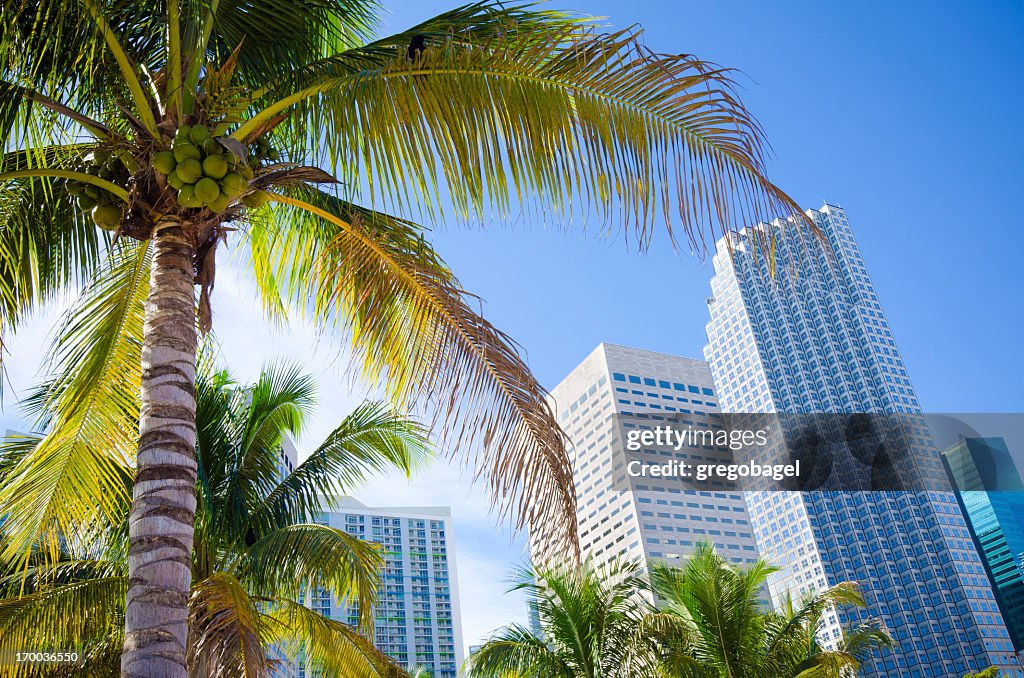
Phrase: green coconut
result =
(186, 151)
(220, 204)
(183, 132)
(207, 190)
(199, 134)
(175, 181)
(190, 171)
(165, 162)
(215, 166)
(187, 196)
(107, 217)
(92, 191)
(212, 147)
(86, 203)
(233, 184)
(255, 199)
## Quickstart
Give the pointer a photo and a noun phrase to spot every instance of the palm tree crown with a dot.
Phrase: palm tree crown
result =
(706, 623)
(711, 626)
(592, 622)
(257, 551)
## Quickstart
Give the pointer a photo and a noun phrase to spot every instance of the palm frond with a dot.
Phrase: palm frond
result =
(376, 277)
(330, 646)
(81, 615)
(515, 652)
(273, 36)
(46, 244)
(95, 54)
(224, 629)
(593, 622)
(562, 119)
(296, 558)
(79, 472)
(372, 439)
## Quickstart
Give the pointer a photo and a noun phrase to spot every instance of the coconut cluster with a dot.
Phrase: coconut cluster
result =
(204, 172)
(105, 208)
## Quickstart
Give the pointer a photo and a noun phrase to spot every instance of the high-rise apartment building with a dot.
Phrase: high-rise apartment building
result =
(416, 620)
(813, 338)
(642, 518)
(991, 495)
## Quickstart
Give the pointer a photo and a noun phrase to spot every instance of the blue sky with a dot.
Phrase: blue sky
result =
(905, 114)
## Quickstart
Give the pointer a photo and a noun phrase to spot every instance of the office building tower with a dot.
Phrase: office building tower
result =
(416, 620)
(796, 327)
(991, 495)
(642, 518)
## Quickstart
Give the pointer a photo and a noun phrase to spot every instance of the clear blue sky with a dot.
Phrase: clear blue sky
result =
(907, 114)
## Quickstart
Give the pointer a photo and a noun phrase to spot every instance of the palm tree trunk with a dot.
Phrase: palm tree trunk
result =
(163, 510)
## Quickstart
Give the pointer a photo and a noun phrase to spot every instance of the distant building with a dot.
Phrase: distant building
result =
(992, 497)
(806, 334)
(637, 518)
(417, 620)
(288, 458)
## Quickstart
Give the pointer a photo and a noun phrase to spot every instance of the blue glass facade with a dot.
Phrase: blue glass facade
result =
(813, 337)
(992, 498)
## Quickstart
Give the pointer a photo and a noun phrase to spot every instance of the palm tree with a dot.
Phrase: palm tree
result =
(711, 626)
(177, 125)
(593, 623)
(257, 549)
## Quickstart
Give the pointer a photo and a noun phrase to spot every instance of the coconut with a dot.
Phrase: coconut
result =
(220, 204)
(215, 166)
(190, 171)
(107, 217)
(207, 190)
(185, 151)
(199, 133)
(255, 199)
(165, 162)
(212, 147)
(175, 181)
(186, 195)
(233, 184)
(86, 203)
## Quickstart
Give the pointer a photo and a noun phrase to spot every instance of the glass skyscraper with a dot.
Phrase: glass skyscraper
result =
(992, 497)
(812, 338)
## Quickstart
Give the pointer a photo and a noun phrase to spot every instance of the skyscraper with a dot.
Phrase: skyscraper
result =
(417, 620)
(638, 518)
(991, 495)
(813, 338)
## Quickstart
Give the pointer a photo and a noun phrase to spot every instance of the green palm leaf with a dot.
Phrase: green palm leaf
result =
(297, 558)
(567, 114)
(80, 471)
(371, 440)
(224, 629)
(330, 646)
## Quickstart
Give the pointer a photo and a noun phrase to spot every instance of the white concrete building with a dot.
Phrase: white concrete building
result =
(417, 620)
(634, 517)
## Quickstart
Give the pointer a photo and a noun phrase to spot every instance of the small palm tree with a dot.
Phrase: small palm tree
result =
(257, 548)
(711, 626)
(592, 626)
